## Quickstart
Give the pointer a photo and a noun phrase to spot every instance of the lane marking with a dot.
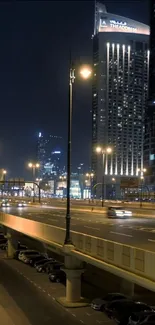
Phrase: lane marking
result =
(44, 290)
(92, 228)
(152, 240)
(55, 220)
(74, 315)
(121, 234)
(53, 298)
(49, 295)
(81, 321)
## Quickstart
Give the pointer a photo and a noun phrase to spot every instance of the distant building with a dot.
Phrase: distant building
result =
(149, 143)
(120, 90)
(50, 156)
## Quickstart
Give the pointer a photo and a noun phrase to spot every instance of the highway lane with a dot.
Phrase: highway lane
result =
(136, 232)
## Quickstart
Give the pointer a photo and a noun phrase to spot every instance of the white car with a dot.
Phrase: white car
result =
(21, 204)
(27, 253)
(119, 212)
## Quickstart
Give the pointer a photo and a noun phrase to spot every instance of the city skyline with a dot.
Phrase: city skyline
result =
(33, 95)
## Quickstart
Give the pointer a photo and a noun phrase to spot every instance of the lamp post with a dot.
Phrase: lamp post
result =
(33, 167)
(141, 175)
(104, 151)
(4, 179)
(85, 73)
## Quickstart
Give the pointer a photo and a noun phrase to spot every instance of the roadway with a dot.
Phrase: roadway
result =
(138, 232)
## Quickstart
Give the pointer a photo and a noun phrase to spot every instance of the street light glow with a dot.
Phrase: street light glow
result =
(4, 172)
(85, 73)
(30, 165)
(92, 175)
(144, 170)
(37, 165)
(98, 149)
(108, 150)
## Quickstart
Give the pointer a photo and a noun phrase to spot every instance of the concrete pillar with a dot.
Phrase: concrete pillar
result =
(12, 243)
(73, 269)
(127, 287)
(73, 285)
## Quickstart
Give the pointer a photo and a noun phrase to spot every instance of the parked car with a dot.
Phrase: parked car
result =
(21, 248)
(34, 259)
(99, 303)
(142, 318)
(57, 276)
(44, 260)
(45, 267)
(119, 212)
(23, 255)
(121, 310)
(53, 266)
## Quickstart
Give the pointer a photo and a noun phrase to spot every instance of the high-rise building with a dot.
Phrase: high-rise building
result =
(50, 155)
(120, 89)
(149, 143)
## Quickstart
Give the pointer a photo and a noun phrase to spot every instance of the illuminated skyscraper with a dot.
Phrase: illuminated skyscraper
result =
(149, 144)
(50, 155)
(120, 88)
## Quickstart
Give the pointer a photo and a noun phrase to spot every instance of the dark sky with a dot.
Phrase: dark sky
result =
(35, 38)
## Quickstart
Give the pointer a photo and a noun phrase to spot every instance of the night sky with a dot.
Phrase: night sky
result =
(35, 38)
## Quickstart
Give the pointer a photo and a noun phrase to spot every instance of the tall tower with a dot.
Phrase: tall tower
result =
(149, 143)
(120, 89)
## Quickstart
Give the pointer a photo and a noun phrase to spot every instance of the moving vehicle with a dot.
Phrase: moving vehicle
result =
(21, 204)
(5, 204)
(121, 310)
(57, 276)
(99, 303)
(119, 212)
(24, 255)
(146, 317)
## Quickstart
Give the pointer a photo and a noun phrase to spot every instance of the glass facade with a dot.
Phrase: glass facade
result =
(120, 90)
(149, 144)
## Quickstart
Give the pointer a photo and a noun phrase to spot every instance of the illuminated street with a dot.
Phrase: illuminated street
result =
(139, 232)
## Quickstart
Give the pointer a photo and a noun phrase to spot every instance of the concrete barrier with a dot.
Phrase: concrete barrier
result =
(122, 260)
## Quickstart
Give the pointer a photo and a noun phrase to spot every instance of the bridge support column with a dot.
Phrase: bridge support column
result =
(73, 269)
(12, 244)
(127, 287)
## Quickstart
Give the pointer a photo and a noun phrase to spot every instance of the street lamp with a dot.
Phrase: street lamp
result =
(85, 73)
(141, 172)
(104, 151)
(33, 167)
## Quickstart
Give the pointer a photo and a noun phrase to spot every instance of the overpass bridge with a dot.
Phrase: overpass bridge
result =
(133, 265)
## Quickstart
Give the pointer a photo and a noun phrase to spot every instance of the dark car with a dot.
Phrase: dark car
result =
(53, 266)
(45, 267)
(57, 276)
(142, 318)
(21, 248)
(99, 303)
(41, 262)
(121, 310)
(35, 259)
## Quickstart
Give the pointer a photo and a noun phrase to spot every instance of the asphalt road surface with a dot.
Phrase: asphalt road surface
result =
(138, 232)
(28, 298)
(22, 303)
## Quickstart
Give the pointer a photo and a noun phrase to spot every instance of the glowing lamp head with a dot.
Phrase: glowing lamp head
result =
(30, 165)
(85, 72)
(92, 175)
(144, 170)
(108, 150)
(37, 165)
(98, 149)
(87, 175)
(4, 171)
